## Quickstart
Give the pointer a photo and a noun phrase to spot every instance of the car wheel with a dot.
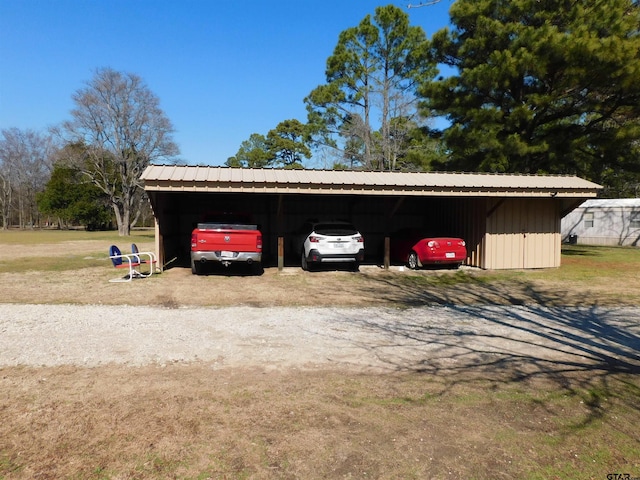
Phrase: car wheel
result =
(355, 267)
(303, 262)
(412, 261)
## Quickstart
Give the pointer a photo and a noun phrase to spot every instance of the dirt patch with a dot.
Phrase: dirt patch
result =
(373, 285)
(294, 287)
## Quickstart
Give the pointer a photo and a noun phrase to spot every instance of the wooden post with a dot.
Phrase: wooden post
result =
(387, 256)
(280, 253)
(387, 240)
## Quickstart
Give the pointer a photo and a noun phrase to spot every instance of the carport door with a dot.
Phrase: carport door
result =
(523, 233)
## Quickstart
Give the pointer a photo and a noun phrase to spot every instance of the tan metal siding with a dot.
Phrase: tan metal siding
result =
(523, 234)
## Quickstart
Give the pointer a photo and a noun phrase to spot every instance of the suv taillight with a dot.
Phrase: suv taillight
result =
(360, 239)
(314, 239)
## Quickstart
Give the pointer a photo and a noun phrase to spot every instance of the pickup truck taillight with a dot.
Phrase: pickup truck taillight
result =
(259, 242)
(194, 240)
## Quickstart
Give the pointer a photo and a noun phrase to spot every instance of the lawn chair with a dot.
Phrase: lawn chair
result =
(144, 258)
(125, 261)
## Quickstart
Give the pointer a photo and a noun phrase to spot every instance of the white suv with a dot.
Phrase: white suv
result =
(331, 241)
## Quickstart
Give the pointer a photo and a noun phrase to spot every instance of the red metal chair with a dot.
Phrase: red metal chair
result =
(144, 258)
(124, 260)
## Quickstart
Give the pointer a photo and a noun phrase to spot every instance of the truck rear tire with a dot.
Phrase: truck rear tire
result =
(194, 268)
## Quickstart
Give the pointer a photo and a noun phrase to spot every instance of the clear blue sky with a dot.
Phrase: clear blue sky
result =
(223, 69)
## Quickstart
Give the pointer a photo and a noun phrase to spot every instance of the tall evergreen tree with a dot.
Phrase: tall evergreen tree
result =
(253, 153)
(540, 86)
(371, 80)
(73, 199)
(287, 144)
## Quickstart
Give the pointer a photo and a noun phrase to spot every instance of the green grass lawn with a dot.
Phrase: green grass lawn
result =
(38, 237)
(40, 242)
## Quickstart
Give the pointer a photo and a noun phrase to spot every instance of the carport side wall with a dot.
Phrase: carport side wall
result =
(522, 233)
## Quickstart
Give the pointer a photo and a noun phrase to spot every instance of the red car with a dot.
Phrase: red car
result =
(412, 248)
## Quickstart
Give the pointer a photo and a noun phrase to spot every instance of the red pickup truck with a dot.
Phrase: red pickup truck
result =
(225, 239)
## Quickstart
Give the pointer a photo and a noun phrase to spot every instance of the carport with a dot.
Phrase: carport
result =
(508, 221)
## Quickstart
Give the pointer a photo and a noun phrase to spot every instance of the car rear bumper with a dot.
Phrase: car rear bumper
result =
(316, 257)
(217, 256)
(442, 260)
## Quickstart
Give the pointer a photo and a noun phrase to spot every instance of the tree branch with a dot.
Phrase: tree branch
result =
(423, 4)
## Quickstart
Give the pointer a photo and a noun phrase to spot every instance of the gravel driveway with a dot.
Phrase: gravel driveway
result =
(370, 339)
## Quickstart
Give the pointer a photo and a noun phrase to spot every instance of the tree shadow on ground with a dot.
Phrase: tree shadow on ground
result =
(513, 334)
(576, 251)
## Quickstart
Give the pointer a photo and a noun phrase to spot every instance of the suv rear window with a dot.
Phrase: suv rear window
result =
(335, 229)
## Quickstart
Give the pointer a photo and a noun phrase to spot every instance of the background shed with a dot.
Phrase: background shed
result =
(604, 222)
(508, 221)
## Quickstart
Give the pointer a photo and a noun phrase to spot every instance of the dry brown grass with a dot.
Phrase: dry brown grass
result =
(190, 422)
(194, 422)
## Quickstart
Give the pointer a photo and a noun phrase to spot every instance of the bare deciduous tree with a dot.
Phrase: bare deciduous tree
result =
(25, 166)
(118, 122)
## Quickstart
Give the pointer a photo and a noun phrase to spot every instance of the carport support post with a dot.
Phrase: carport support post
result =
(387, 246)
(387, 239)
(280, 220)
(280, 253)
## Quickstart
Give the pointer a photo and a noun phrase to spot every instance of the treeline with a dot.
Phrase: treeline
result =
(531, 86)
(87, 170)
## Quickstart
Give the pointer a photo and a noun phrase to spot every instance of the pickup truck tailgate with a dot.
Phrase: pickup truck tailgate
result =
(219, 237)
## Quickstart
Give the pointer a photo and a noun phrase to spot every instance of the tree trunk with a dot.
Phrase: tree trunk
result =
(122, 220)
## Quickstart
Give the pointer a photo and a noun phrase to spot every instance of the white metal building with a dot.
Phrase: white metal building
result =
(604, 222)
(508, 221)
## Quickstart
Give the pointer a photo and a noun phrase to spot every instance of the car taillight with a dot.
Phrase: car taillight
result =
(432, 244)
(259, 242)
(314, 239)
(462, 243)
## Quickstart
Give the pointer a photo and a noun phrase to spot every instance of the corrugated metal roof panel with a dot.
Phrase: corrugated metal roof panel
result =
(202, 178)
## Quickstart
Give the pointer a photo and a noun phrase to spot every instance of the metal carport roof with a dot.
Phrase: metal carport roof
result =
(249, 180)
